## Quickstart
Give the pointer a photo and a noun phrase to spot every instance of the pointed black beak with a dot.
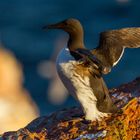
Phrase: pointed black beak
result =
(53, 26)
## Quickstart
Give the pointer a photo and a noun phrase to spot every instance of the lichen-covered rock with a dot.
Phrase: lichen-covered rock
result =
(69, 124)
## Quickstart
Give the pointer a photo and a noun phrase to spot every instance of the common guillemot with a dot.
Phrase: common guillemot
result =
(81, 69)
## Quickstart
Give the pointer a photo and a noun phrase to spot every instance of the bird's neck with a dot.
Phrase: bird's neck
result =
(76, 40)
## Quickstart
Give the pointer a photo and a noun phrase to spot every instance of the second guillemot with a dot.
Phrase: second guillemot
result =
(81, 69)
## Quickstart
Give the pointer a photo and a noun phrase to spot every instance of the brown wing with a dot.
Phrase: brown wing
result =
(112, 45)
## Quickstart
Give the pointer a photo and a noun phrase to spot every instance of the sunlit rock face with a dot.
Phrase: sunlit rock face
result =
(69, 124)
(16, 106)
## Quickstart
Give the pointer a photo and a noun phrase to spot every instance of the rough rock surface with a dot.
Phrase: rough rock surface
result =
(69, 124)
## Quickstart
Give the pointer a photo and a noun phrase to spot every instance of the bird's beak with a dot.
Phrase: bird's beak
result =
(54, 26)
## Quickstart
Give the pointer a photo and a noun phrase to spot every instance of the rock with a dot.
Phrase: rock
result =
(17, 108)
(69, 124)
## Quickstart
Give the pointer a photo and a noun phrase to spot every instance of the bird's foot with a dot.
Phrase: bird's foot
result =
(98, 116)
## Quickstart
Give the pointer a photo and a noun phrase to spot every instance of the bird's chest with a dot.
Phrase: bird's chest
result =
(74, 76)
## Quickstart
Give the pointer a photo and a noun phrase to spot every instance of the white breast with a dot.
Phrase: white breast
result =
(77, 85)
(64, 56)
(72, 80)
(65, 68)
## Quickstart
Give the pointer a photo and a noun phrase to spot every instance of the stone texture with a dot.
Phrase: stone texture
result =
(69, 124)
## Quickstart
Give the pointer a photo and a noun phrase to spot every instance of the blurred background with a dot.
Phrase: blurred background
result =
(21, 33)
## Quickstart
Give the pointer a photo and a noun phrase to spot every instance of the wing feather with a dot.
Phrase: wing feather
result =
(112, 44)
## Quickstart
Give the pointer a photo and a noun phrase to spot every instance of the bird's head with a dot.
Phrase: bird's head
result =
(71, 26)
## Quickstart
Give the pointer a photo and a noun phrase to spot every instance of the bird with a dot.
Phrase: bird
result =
(81, 70)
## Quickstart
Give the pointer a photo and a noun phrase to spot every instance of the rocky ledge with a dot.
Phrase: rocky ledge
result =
(69, 124)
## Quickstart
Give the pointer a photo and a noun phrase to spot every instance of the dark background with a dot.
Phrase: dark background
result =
(20, 31)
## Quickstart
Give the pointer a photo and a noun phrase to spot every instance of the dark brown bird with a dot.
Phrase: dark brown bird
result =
(81, 69)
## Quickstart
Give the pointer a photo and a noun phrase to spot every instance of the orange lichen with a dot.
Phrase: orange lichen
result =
(126, 126)
(123, 125)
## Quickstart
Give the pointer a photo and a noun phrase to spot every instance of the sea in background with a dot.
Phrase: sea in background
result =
(21, 23)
